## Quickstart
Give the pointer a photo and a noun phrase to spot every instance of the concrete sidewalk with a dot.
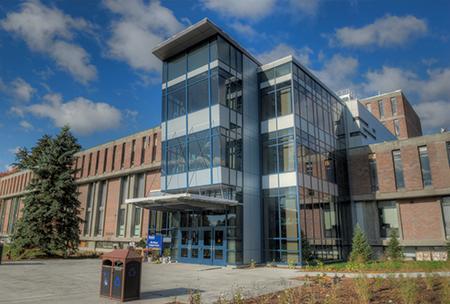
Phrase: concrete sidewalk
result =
(77, 281)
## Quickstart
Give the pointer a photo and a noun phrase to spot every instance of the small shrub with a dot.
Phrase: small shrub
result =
(408, 290)
(195, 297)
(393, 249)
(361, 250)
(252, 263)
(362, 289)
(141, 244)
(292, 263)
(238, 298)
(166, 252)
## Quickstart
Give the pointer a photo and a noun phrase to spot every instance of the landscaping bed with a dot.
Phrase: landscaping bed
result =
(322, 289)
(382, 266)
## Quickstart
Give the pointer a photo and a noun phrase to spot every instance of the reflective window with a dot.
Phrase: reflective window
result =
(398, 169)
(89, 209)
(139, 191)
(283, 69)
(373, 172)
(269, 155)
(381, 107)
(268, 103)
(396, 127)
(198, 57)
(199, 151)
(278, 152)
(176, 150)
(425, 166)
(176, 67)
(198, 96)
(288, 214)
(176, 103)
(388, 217)
(101, 202)
(394, 105)
(284, 104)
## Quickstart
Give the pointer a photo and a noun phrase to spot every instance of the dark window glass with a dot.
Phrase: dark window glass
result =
(198, 96)
(176, 103)
(398, 169)
(446, 215)
(269, 156)
(267, 75)
(224, 50)
(113, 161)
(213, 49)
(198, 57)
(176, 67)
(286, 153)
(133, 152)
(268, 103)
(214, 87)
(122, 158)
(105, 159)
(373, 172)
(425, 166)
(101, 202)
(388, 217)
(448, 152)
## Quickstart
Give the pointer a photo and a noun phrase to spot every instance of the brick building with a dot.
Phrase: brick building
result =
(108, 174)
(395, 112)
(403, 185)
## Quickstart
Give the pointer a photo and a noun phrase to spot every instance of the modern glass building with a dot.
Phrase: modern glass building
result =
(253, 155)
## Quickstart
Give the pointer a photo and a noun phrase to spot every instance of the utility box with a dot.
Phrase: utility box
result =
(121, 275)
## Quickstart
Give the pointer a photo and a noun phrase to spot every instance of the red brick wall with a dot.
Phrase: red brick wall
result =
(440, 170)
(112, 206)
(421, 219)
(411, 168)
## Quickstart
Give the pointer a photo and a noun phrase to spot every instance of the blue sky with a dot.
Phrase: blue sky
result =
(89, 64)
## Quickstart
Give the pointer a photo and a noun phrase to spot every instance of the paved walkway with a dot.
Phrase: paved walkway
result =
(77, 281)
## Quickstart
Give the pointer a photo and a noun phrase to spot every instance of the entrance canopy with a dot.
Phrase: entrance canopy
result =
(181, 202)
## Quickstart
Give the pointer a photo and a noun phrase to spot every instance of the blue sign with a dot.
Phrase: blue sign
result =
(155, 241)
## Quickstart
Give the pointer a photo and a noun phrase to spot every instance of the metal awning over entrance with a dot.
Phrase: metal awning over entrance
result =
(182, 202)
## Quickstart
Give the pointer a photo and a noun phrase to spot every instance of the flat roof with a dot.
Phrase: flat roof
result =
(192, 35)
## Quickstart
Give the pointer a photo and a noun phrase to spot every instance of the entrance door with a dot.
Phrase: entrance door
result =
(189, 246)
(203, 245)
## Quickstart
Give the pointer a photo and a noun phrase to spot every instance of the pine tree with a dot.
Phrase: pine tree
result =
(50, 220)
(361, 250)
(393, 250)
(307, 254)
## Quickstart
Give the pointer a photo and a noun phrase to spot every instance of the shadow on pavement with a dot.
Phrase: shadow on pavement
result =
(172, 292)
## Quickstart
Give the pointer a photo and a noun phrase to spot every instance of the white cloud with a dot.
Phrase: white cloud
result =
(48, 30)
(26, 125)
(252, 9)
(139, 29)
(307, 7)
(84, 116)
(384, 32)
(244, 29)
(434, 87)
(337, 72)
(18, 89)
(282, 50)
(434, 114)
(22, 90)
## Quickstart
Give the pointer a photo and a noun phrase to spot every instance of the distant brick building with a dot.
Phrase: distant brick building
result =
(108, 174)
(403, 185)
(395, 112)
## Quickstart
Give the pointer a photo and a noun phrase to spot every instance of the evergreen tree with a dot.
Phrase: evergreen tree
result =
(361, 250)
(50, 220)
(393, 250)
(307, 254)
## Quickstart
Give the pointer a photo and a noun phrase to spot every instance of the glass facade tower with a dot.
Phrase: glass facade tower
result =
(262, 148)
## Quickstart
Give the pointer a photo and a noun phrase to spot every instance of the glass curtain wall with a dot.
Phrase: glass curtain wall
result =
(207, 75)
(316, 150)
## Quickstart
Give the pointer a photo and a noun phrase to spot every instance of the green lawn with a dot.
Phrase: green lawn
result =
(383, 266)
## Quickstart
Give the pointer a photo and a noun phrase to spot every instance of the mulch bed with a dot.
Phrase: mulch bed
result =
(345, 290)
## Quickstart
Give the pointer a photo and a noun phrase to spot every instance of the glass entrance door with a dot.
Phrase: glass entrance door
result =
(203, 245)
